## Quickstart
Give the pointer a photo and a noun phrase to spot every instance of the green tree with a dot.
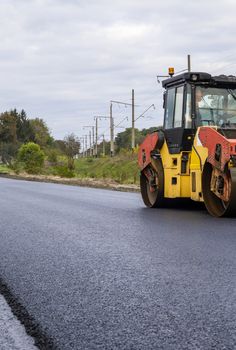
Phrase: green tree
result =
(8, 127)
(71, 149)
(16, 128)
(25, 132)
(41, 132)
(145, 132)
(8, 152)
(60, 146)
(8, 137)
(123, 139)
(32, 157)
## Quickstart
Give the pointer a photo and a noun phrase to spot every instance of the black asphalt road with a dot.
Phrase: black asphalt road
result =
(97, 270)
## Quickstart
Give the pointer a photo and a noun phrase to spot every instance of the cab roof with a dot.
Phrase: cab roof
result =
(201, 78)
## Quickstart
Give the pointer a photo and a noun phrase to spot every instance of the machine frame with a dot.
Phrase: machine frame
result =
(197, 161)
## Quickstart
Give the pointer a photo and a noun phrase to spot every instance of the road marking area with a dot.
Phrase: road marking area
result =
(12, 333)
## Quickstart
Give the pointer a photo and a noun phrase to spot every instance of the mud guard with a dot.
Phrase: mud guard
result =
(152, 141)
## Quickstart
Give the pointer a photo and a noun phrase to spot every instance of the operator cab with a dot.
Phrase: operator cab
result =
(197, 99)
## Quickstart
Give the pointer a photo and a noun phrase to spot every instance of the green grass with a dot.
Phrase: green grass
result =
(4, 169)
(121, 168)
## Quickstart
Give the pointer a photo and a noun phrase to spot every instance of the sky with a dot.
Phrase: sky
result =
(64, 60)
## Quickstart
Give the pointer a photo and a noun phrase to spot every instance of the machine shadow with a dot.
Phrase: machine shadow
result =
(184, 204)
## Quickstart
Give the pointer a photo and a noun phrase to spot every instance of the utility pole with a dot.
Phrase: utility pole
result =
(189, 63)
(111, 132)
(82, 138)
(93, 139)
(92, 142)
(83, 147)
(112, 122)
(96, 138)
(103, 145)
(133, 130)
(86, 145)
(96, 131)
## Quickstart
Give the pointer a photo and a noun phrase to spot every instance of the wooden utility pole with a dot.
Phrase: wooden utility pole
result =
(82, 145)
(103, 145)
(93, 139)
(90, 144)
(112, 120)
(96, 131)
(133, 130)
(86, 146)
(111, 131)
(96, 138)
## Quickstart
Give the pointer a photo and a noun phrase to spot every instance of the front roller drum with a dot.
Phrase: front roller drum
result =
(215, 205)
(152, 185)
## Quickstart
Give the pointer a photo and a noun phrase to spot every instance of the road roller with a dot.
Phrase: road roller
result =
(193, 155)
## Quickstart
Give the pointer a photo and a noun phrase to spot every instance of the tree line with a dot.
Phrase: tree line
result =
(23, 138)
(123, 140)
(17, 129)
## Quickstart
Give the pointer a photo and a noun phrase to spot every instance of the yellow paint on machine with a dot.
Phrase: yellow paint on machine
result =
(198, 158)
(177, 185)
(189, 183)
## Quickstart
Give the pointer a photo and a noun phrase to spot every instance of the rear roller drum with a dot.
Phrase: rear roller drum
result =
(152, 186)
(215, 205)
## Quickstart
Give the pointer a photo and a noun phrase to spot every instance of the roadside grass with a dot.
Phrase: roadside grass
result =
(121, 168)
(4, 169)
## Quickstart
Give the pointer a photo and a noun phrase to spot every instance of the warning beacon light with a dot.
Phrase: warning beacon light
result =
(171, 71)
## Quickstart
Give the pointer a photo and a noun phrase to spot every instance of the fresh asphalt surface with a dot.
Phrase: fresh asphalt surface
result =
(97, 270)
(12, 333)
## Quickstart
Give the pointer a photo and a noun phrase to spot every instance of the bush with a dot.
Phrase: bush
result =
(8, 152)
(63, 171)
(16, 167)
(32, 157)
(52, 156)
(4, 169)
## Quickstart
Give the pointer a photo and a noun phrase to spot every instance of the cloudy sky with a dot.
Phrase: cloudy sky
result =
(64, 60)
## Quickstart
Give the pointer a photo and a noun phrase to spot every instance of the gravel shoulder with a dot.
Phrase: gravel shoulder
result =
(13, 335)
(87, 182)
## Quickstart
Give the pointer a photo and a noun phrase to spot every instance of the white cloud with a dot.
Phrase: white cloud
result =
(64, 60)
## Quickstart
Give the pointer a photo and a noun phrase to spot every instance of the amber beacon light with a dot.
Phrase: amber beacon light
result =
(171, 71)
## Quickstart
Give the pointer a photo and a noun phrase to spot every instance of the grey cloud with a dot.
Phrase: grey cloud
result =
(64, 60)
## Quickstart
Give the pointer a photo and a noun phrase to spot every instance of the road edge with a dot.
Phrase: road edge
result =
(32, 328)
(87, 182)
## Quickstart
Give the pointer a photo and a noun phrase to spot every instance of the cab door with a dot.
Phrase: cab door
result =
(176, 128)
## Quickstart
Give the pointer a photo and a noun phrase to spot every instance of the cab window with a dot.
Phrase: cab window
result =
(169, 113)
(215, 106)
(174, 108)
(178, 115)
(188, 118)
